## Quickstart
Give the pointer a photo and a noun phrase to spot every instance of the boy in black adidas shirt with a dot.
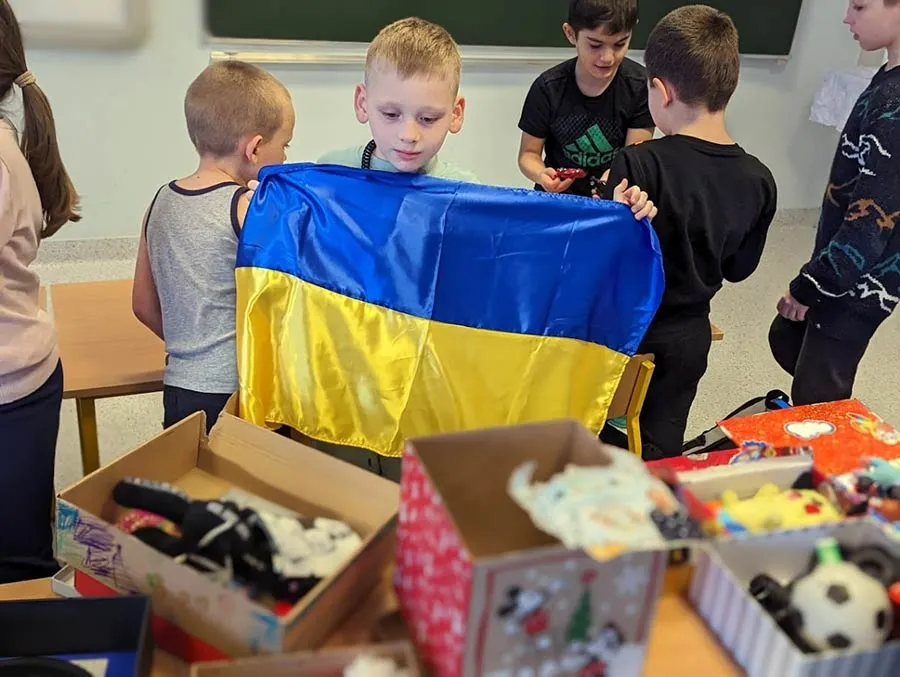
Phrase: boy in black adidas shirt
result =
(715, 203)
(580, 113)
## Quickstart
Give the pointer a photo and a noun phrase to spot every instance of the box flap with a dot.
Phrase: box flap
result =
(707, 484)
(488, 520)
(165, 458)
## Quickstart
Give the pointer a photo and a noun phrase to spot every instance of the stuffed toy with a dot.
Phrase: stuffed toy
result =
(271, 554)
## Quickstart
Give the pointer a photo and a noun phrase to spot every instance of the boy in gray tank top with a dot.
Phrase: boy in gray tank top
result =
(239, 119)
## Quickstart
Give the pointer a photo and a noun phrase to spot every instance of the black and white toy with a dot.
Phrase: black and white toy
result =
(281, 556)
(834, 606)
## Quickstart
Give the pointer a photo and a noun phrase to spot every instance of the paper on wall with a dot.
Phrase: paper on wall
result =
(835, 99)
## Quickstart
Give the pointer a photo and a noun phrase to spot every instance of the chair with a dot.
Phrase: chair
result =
(629, 398)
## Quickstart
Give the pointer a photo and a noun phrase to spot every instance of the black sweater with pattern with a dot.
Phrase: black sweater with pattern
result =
(852, 282)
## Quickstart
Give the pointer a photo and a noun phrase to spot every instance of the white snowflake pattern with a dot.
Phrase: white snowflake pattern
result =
(631, 609)
(632, 580)
(570, 565)
(548, 668)
(525, 672)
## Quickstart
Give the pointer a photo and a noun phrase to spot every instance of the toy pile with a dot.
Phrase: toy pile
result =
(270, 553)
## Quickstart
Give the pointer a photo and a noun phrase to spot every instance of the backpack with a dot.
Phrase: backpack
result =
(715, 439)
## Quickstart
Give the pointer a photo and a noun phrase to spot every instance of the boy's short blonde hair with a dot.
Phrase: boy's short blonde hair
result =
(229, 101)
(414, 46)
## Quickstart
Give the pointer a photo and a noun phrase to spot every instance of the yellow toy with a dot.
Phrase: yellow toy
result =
(773, 509)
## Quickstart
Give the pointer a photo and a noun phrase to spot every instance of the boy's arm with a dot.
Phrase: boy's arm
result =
(873, 211)
(744, 262)
(242, 205)
(144, 297)
(535, 126)
(640, 123)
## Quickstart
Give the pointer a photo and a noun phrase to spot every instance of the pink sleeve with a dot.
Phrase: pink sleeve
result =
(7, 215)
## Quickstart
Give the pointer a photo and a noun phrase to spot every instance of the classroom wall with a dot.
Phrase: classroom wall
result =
(122, 133)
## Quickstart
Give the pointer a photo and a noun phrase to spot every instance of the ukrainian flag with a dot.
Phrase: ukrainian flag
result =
(373, 307)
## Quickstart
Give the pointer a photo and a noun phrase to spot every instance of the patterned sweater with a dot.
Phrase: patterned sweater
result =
(854, 273)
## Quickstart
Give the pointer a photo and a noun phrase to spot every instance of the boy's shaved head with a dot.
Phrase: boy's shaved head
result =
(414, 47)
(231, 100)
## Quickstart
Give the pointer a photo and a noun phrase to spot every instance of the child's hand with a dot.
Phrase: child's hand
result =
(552, 183)
(641, 205)
(791, 309)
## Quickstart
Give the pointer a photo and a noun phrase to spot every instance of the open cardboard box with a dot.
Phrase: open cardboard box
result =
(719, 592)
(246, 457)
(327, 663)
(484, 591)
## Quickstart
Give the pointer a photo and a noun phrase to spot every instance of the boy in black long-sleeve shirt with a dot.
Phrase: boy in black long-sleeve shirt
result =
(852, 282)
(715, 203)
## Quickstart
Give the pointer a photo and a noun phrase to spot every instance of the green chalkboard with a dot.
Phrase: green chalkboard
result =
(766, 26)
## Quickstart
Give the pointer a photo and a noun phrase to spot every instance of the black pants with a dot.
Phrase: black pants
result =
(681, 354)
(824, 367)
(179, 403)
(28, 432)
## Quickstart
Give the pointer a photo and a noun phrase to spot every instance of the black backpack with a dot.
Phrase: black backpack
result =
(715, 439)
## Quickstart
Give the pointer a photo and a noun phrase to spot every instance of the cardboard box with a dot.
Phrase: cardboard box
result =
(483, 591)
(103, 636)
(330, 663)
(706, 487)
(719, 592)
(242, 456)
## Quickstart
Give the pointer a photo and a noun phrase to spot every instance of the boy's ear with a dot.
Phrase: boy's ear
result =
(664, 90)
(570, 33)
(457, 115)
(360, 104)
(250, 150)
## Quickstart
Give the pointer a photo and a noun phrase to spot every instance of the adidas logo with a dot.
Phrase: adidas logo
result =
(592, 149)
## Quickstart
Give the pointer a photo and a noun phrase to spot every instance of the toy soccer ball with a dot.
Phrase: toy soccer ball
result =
(841, 607)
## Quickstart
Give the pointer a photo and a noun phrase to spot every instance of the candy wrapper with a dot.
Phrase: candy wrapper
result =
(873, 488)
(603, 509)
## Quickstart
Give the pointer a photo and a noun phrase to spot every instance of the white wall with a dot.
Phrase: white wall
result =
(122, 133)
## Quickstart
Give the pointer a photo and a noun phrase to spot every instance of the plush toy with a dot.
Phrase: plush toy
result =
(284, 557)
(841, 606)
(603, 509)
(836, 604)
(772, 509)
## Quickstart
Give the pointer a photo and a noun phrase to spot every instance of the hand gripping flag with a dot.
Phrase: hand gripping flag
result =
(373, 307)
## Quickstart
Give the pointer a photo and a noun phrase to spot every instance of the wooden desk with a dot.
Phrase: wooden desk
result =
(105, 352)
(680, 644)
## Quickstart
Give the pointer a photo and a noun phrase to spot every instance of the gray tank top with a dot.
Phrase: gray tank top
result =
(192, 238)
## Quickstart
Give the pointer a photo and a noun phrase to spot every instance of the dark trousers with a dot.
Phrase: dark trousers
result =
(179, 403)
(28, 432)
(824, 367)
(681, 353)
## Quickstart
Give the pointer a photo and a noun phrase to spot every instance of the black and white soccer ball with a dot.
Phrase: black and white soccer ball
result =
(841, 608)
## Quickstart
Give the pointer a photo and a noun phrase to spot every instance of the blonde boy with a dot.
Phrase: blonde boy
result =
(410, 100)
(239, 119)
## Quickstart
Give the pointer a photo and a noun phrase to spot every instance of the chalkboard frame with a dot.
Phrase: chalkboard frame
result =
(313, 53)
